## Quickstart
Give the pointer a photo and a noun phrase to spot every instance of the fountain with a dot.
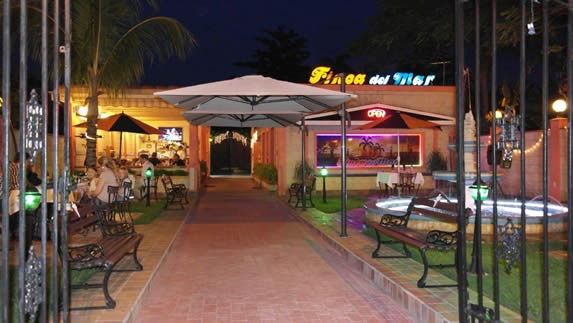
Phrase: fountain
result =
(470, 146)
(506, 209)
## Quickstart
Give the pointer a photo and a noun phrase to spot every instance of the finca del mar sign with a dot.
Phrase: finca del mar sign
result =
(325, 75)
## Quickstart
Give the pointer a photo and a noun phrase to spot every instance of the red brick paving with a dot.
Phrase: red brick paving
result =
(242, 257)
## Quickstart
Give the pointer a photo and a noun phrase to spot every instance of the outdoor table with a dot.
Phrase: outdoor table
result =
(389, 179)
(14, 198)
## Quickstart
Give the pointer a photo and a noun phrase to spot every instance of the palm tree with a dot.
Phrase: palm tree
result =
(111, 44)
(282, 55)
(366, 143)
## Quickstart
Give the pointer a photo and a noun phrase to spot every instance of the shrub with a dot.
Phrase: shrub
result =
(266, 172)
(309, 170)
(171, 172)
(436, 161)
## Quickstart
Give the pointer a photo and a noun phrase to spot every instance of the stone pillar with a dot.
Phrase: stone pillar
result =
(555, 153)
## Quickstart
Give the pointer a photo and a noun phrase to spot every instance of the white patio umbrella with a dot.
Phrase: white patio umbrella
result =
(259, 120)
(254, 95)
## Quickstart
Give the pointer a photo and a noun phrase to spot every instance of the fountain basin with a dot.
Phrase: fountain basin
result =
(557, 215)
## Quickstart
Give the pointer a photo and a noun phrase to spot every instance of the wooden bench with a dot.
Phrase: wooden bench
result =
(396, 227)
(116, 241)
(174, 193)
(296, 191)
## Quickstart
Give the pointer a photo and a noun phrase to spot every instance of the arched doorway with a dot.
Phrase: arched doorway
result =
(230, 151)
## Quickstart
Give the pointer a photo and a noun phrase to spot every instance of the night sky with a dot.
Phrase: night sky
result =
(226, 32)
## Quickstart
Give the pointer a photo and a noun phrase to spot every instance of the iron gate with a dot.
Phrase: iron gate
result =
(34, 283)
(509, 247)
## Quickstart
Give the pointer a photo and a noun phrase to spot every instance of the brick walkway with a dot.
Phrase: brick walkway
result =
(243, 257)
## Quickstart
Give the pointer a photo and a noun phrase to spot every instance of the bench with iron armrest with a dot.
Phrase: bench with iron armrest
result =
(396, 227)
(296, 191)
(174, 193)
(116, 241)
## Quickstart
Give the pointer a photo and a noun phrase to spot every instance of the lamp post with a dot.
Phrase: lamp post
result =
(32, 201)
(148, 174)
(479, 193)
(323, 173)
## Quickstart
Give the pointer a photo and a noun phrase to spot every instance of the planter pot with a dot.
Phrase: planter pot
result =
(270, 187)
(265, 185)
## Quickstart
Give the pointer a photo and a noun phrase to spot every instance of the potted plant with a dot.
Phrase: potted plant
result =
(203, 169)
(267, 175)
(436, 161)
(308, 170)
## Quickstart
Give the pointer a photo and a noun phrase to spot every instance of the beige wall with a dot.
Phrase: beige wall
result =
(511, 178)
(434, 99)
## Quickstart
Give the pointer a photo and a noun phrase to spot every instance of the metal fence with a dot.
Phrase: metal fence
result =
(34, 282)
(510, 242)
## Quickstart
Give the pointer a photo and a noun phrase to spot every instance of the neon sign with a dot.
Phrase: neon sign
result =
(376, 113)
(325, 75)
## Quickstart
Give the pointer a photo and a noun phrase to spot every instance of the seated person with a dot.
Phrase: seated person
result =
(32, 178)
(123, 176)
(100, 195)
(154, 160)
(176, 161)
(89, 186)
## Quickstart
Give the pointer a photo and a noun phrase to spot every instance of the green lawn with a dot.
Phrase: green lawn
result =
(150, 213)
(510, 282)
(332, 204)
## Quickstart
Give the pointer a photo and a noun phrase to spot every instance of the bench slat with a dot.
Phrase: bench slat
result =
(408, 236)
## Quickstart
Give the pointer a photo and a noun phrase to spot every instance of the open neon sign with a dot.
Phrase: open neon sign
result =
(376, 113)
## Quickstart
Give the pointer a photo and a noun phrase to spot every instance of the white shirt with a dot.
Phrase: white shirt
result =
(147, 164)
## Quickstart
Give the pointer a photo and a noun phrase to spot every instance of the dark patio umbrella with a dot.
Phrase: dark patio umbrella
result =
(123, 123)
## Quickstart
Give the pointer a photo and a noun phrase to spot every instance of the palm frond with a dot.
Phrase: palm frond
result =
(153, 39)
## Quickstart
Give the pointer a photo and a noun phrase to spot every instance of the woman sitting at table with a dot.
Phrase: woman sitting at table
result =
(100, 195)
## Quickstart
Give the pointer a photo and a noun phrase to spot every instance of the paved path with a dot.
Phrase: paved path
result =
(243, 257)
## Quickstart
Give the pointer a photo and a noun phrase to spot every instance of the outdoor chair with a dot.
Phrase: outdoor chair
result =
(124, 202)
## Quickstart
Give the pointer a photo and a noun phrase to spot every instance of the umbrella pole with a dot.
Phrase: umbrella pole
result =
(303, 156)
(344, 194)
(398, 159)
(120, 143)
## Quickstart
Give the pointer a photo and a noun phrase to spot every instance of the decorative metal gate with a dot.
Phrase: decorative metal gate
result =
(510, 244)
(34, 283)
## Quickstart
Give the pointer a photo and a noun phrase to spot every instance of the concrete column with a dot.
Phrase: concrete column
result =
(555, 154)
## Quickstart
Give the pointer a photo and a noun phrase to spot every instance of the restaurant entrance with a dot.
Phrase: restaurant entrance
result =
(230, 151)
